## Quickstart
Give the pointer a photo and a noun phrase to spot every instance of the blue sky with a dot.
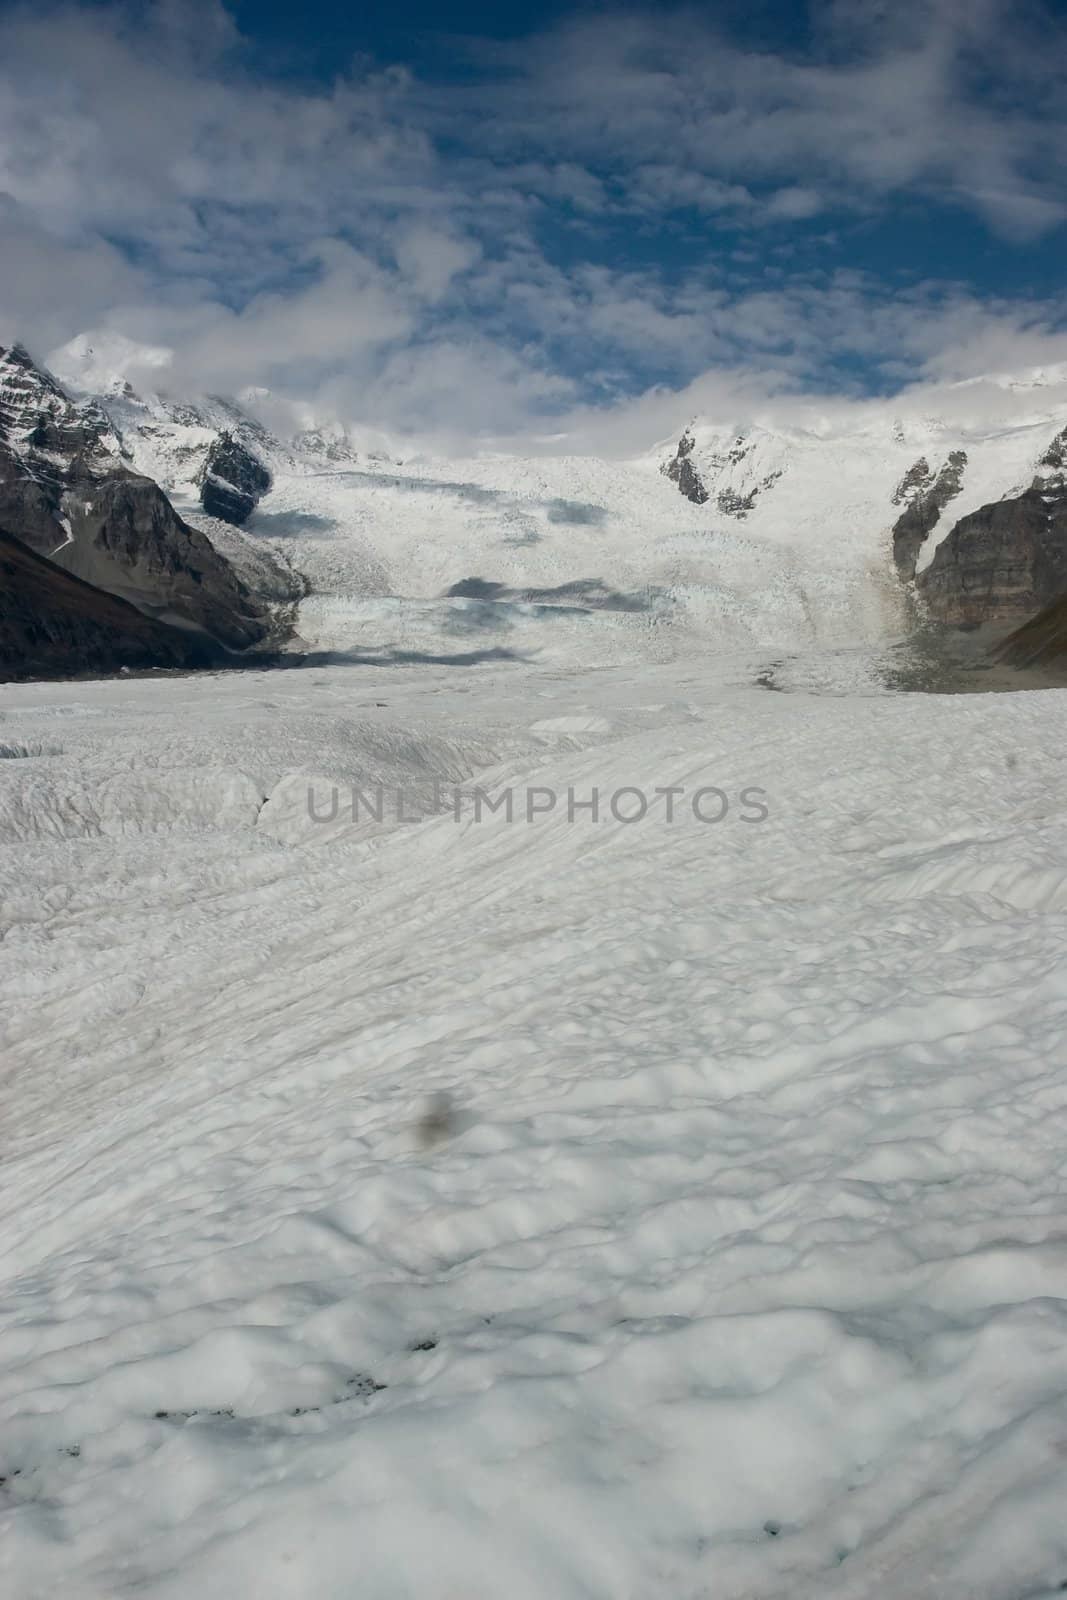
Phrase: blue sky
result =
(500, 217)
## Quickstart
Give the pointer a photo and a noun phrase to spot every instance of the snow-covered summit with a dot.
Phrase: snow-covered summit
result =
(71, 493)
(882, 471)
(165, 436)
(103, 363)
(38, 419)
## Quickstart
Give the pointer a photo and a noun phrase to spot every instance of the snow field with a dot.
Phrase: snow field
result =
(739, 1267)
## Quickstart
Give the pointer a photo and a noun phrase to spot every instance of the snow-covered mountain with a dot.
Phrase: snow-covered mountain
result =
(69, 491)
(831, 526)
(916, 490)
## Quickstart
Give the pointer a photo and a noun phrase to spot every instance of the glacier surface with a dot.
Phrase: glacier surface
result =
(565, 1207)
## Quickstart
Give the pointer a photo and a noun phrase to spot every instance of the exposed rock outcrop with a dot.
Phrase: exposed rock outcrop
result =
(924, 495)
(45, 441)
(1005, 561)
(730, 464)
(54, 625)
(67, 492)
(1054, 460)
(918, 478)
(1041, 642)
(234, 480)
(127, 538)
(680, 470)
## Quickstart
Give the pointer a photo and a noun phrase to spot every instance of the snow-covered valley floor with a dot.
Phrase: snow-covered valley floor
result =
(737, 1265)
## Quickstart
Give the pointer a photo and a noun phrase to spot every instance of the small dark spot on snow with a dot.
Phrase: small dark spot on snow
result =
(186, 1416)
(773, 1529)
(424, 1344)
(437, 1121)
(361, 1384)
(74, 1450)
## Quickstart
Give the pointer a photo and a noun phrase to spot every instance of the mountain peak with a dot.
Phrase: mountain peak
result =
(104, 363)
(39, 420)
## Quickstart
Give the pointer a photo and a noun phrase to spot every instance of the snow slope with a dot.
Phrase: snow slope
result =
(736, 1266)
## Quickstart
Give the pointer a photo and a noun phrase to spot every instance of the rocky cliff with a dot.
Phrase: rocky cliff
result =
(54, 625)
(681, 470)
(924, 495)
(1004, 561)
(1008, 559)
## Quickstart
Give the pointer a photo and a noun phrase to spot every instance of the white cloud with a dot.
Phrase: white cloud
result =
(430, 258)
(963, 100)
(795, 202)
(484, 256)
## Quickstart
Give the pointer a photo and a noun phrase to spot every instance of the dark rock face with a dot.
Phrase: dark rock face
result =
(924, 496)
(730, 502)
(1003, 562)
(1055, 457)
(128, 539)
(915, 480)
(1041, 642)
(67, 493)
(234, 480)
(44, 438)
(680, 470)
(53, 625)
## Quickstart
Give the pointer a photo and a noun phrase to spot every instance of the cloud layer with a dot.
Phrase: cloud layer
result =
(620, 205)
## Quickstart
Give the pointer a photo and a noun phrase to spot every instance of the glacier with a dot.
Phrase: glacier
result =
(735, 1264)
(556, 1206)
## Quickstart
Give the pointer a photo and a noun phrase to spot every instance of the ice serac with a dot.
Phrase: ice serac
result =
(1008, 559)
(234, 480)
(68, 492)
(54, 625)
(924, 495)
